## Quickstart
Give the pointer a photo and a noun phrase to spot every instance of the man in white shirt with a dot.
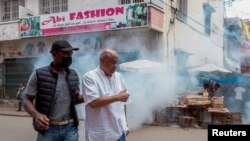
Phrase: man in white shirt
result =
(239, 91)
(105, 95)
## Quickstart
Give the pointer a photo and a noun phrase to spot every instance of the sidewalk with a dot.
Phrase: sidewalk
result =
(9, 107)
(11, 111)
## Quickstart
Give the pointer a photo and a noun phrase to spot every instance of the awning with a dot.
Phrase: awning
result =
(141, 66)
(209, 68)
(233, 79)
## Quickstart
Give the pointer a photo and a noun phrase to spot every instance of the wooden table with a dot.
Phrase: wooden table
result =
(196, 111)
(173, 111)
(220, 114)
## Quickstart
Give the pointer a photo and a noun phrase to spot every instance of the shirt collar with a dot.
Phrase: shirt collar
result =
(103, 73)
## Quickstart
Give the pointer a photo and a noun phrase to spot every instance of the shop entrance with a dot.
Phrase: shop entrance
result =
(15, 71)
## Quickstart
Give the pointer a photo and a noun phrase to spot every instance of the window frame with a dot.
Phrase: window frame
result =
(130, 1)
(52, 6)
(182, 10)
(10, 9)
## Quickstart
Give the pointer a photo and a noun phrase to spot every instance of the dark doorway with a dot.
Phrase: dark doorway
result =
(15, 71)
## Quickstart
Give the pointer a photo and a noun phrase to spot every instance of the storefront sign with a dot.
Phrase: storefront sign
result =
(30, 27)
(118, 17)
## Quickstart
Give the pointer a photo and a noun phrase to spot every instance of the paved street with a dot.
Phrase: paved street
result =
(14, 128)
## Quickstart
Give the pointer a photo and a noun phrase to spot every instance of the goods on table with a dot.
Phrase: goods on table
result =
(218, 102)
(197, 100)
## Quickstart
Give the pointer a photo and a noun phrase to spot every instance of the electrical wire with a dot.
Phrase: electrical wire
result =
(192, 27)
(190, 18)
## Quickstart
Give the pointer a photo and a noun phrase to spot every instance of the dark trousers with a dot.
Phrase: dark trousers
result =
(20, 104)
(122, 138)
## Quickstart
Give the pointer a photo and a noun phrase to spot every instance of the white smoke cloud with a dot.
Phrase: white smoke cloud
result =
(149, 91)
(43, 61)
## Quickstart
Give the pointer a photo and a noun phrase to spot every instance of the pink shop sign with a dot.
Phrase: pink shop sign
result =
(110, 18)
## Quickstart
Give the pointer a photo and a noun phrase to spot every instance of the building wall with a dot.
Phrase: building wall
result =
(190, 37)
(9, 31)
(20, 56)
(138, 40)
(76, 5)
(94, 4)
(180, 35)
(33, 5)
(14, 46)
(29, 47)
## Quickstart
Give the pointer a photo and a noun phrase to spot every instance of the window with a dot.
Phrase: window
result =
(138, 1)
(124, 1)
(11, 9)
(53, 6)
(182, 10)
(130, 1)
(208, 10)
(233, 42)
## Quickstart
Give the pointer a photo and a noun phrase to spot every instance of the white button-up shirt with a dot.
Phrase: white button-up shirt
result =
(106, 123)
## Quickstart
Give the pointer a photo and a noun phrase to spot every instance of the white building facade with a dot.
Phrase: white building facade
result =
(134, 28)
(195, 32)
(180, 33)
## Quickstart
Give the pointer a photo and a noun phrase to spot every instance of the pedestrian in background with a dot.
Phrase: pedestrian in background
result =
(105, 95)
(20, 96)
(239, 97)
(56, 90)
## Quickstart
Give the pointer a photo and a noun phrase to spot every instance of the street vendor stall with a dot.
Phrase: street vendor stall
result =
(174, 111)
(221, 115)
(196, 105)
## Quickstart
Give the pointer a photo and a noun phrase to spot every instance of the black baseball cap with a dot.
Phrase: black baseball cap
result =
(62, 45)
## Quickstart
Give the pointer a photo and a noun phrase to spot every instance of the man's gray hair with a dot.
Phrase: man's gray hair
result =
(107, 52)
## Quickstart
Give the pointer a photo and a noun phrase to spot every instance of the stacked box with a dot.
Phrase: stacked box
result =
(197, 100)
(202, 98)
(186, 121)
(223, 118)
(218, 102)
(191, 101)
(183, 100)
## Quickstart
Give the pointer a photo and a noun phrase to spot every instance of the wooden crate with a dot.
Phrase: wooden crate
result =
(219, 106)
(223, 118)
(218, 102)
(202, 99)
(160, 118)
(236, 118)
(186, 121)
(191, 101)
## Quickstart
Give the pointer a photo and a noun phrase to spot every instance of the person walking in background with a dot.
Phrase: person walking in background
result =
(217, 91)
(205, 90)
(239, 97)
(20, 96)
(105, 95)
(56, 90)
